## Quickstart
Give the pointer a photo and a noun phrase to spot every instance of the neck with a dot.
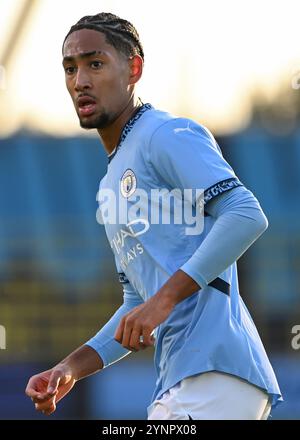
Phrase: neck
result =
(110, 136)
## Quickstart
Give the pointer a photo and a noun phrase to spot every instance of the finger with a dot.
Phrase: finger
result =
(41, 406)
(32, 388)
(131, 335)
(47, 407)
(141, 343)
(119, 332)
(50, 410)
(31, 392)
(54, 380)
(147, 337)
(44, 397)
(134, 341)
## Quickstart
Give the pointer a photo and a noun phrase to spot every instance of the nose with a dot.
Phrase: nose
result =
(82, 81)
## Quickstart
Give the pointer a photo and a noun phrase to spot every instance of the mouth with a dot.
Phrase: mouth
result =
(86, 105)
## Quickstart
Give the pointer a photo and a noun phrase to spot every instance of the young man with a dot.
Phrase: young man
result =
(180, 288)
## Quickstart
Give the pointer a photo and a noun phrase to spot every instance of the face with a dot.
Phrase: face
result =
(99, 79)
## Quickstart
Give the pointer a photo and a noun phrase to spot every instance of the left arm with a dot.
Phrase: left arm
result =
(239, 222)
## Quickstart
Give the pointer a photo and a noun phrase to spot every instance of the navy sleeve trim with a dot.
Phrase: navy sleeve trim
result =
(220, 188)
(220, 285)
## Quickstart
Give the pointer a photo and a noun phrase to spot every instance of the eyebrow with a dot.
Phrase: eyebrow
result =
(83, 55)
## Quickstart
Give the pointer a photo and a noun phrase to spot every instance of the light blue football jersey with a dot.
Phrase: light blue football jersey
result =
(212, 329)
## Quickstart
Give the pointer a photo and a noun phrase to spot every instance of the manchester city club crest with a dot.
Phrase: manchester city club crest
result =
(128, 183)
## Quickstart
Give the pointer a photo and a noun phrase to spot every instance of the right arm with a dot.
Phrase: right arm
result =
(47, 388)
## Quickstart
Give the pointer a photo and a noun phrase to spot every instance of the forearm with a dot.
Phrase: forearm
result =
(83, 362)
(178, 287)
(102, 349)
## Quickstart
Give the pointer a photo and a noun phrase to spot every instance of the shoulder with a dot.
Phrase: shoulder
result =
(157, 120)
(165, 131)
(160, 125)
(154, 120)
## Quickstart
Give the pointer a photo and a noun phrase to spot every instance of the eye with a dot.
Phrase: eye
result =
(69, 70)
(96, 64)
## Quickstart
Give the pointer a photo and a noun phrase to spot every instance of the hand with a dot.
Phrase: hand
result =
(141, 321)
(49, 387)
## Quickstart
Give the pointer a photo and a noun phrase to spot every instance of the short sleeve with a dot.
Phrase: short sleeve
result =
(185, 155)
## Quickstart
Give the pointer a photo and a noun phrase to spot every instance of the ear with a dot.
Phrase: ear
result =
(136, 65)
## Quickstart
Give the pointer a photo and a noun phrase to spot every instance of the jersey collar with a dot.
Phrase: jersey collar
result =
(128, 127)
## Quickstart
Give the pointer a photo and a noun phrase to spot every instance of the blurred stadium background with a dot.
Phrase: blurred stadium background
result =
(233, 66)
